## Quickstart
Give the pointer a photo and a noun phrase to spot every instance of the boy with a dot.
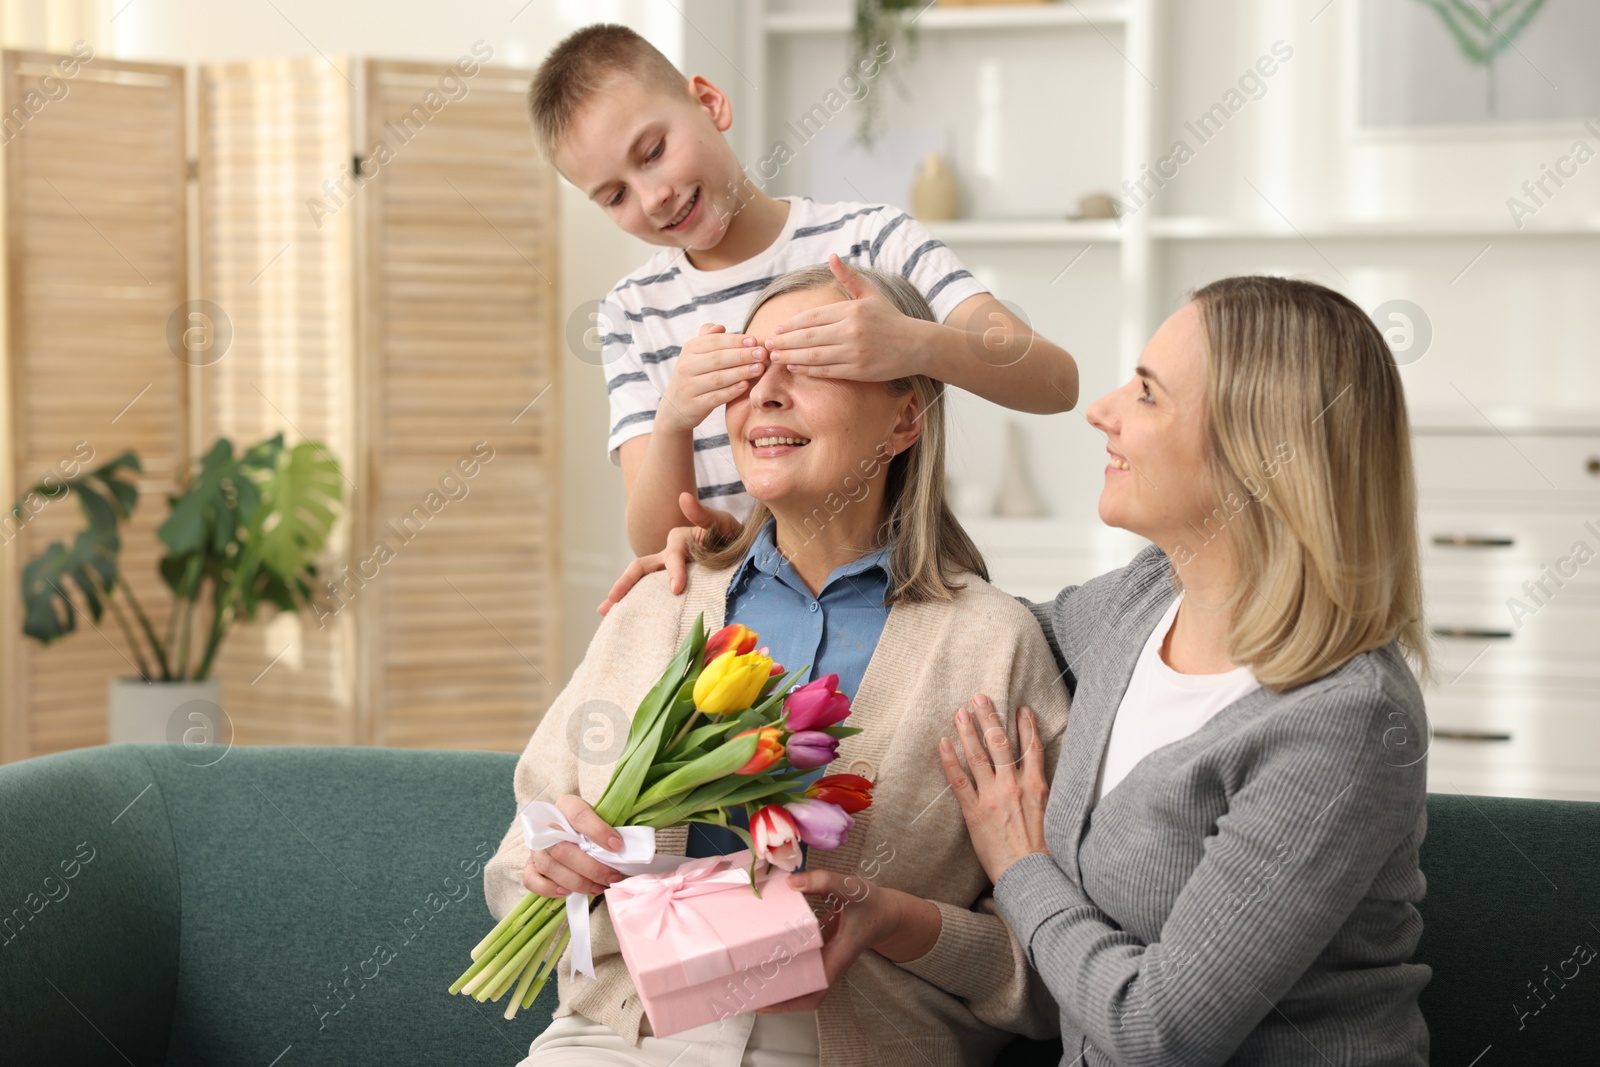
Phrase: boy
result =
(646, 145)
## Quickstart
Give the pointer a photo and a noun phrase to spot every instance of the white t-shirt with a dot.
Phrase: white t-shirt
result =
(1162, 705)
(658, 307)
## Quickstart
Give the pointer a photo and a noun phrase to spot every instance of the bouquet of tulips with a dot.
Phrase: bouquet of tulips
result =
(723, 729)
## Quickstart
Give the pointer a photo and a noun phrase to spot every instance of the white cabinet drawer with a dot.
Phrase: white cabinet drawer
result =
(1492, 463)
(1501, 549)
(1514, 743)
(1565, 628)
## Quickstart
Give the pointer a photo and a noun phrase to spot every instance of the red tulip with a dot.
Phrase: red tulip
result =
(851, 792)
(817, 704)
(776, 836)
(734, 637)
(769, 749)
(777, 668)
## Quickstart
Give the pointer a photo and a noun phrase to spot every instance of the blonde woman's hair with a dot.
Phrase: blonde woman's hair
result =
(930, 547)
(581, 65)
(1307, 418)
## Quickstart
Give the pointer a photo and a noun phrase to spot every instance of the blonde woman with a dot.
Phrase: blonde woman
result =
(852, 562)
(1225, 869)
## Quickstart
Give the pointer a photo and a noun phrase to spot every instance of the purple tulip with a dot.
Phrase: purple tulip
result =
(817, 704)
(812, 748)
(822, 825)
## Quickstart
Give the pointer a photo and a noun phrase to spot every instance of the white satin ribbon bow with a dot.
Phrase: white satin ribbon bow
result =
(543, 825)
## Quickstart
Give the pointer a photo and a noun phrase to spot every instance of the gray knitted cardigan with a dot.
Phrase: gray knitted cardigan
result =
(1246, 894)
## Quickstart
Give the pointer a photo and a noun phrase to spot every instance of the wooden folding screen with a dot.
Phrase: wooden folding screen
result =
(460, 333)
(272, 132)
(95, 266)
(404, 314)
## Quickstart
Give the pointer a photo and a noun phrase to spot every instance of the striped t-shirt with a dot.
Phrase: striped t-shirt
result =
(654, 310)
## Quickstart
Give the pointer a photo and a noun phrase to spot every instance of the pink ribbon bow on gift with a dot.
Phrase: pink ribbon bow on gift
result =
(655, 903)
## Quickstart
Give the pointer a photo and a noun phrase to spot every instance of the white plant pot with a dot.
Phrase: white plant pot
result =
(149, 712)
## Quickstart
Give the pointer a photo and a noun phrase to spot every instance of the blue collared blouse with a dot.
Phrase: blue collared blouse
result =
(836, 631)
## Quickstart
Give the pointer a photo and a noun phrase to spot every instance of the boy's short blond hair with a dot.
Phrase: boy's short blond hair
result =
(583, 64)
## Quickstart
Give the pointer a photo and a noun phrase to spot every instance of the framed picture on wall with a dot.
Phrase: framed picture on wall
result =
(1477, 63)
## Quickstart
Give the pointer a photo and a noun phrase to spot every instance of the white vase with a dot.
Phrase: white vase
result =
(159, 712)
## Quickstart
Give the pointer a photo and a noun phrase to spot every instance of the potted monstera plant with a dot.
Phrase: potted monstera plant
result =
(243, 534)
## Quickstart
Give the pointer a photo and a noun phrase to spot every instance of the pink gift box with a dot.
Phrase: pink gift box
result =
(701, 946)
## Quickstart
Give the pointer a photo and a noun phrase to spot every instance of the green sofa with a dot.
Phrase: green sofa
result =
(289, 906)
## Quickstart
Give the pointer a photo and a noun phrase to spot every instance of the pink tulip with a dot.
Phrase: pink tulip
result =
(776, 836)
(812, 748)
(817, 704)
(822, 825)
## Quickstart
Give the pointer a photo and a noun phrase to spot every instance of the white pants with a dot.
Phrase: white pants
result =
(784, 1040)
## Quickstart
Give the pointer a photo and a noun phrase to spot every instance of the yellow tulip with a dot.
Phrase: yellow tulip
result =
(732, 682)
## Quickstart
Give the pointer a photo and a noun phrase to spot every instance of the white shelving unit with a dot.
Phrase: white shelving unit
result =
(1028, 231)
(1083, 13)
(1016, 548)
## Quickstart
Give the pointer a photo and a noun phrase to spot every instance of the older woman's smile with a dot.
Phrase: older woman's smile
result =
(772, 441)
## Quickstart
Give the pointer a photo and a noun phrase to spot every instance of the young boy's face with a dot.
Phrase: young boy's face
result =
(655, 163)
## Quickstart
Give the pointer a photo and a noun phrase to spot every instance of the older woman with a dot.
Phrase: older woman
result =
(1226, 869)
(852, 562)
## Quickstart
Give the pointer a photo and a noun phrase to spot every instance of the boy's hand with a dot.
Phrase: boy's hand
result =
(713, 368)
(674, 559)
(864, 339)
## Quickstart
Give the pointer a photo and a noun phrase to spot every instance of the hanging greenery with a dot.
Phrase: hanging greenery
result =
(880, 22)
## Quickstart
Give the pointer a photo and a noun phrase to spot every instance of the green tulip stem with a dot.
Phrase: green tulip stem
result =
(683, 731)
(492, 951)
(496, 987)
(530, 971)
(505, 924)
(533, 992)
(495, 964)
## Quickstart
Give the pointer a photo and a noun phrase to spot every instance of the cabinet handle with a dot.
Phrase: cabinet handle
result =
(1472, 541)
(1472, 632)
(1470, 735)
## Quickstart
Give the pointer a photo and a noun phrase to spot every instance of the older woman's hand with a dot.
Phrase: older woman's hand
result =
(564, 867)
(1003, 802)
(857, 916)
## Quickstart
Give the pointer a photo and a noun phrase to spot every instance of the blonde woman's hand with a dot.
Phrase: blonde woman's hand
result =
(1004, 798)
(674, 559)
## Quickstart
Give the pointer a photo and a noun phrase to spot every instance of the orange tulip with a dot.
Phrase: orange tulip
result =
(769, 749)
(731, 638)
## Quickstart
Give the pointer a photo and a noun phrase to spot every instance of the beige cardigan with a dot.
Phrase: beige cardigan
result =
(960, 1002)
